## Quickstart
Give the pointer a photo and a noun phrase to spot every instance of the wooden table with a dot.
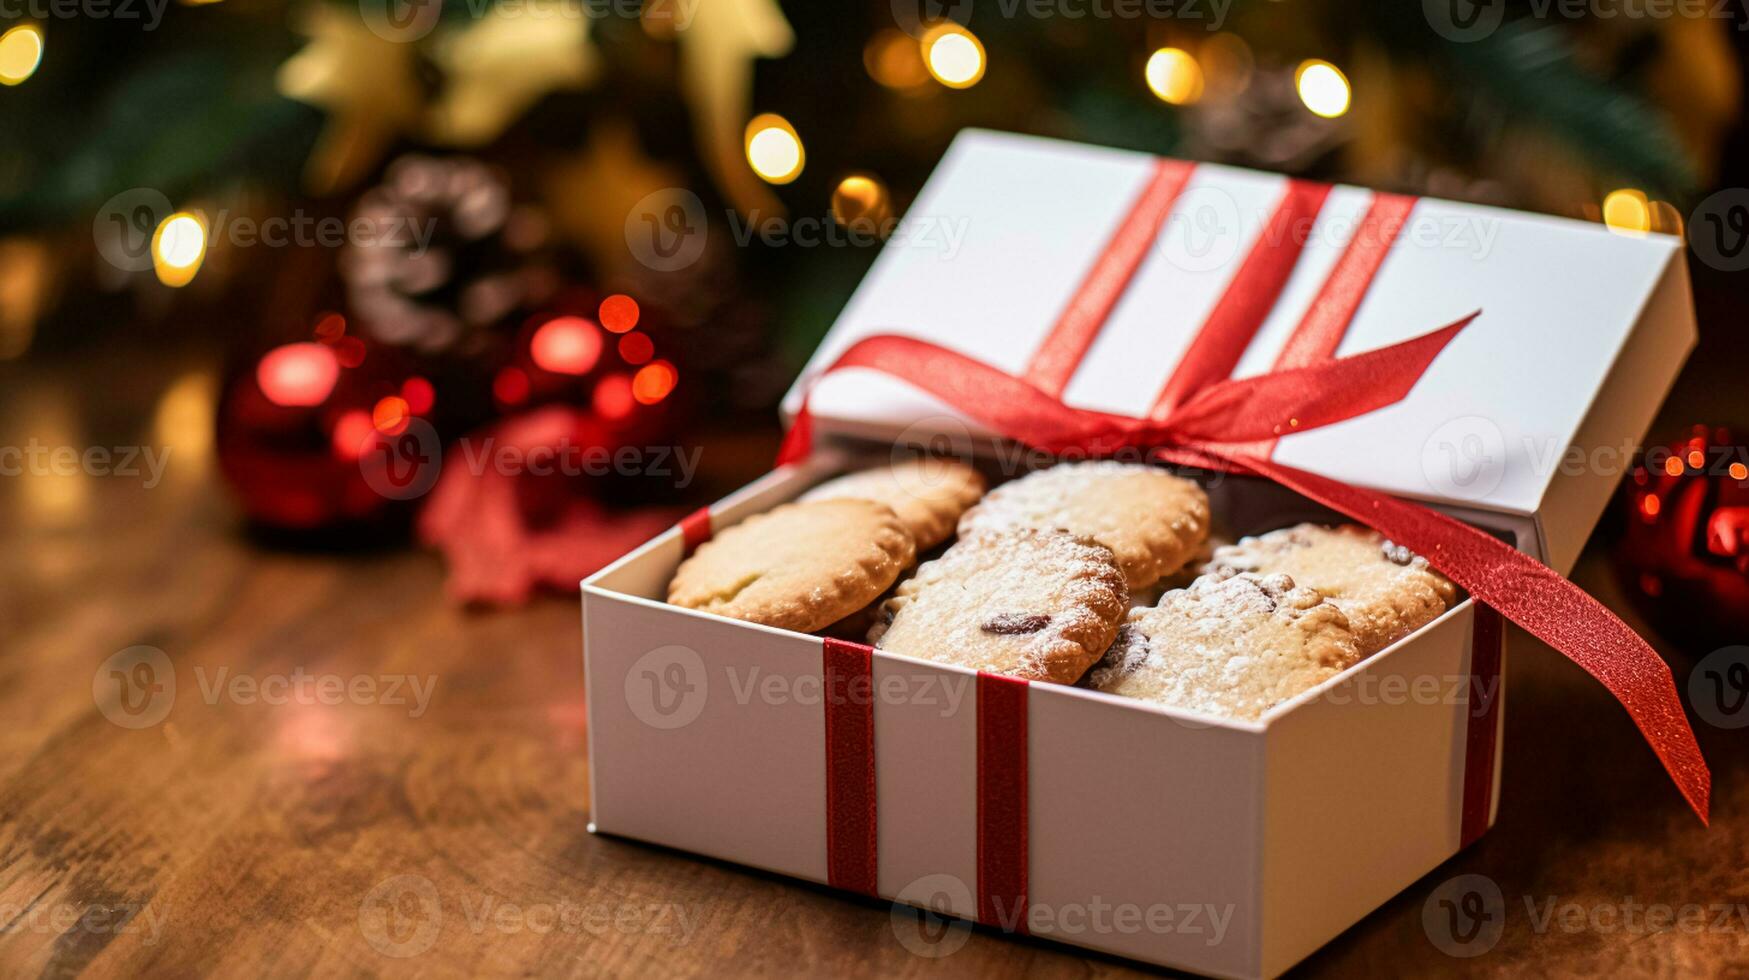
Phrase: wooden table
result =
(433, 821)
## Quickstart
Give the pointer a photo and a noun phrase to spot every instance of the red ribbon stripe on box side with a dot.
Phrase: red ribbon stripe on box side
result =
(848, 672)
(1003, 845)
(1220, 422)
(1487, 641)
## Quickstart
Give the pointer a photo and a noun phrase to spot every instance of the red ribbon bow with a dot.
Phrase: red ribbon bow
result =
(1205, 419)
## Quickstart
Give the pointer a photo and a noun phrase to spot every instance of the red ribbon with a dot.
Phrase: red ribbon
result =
(1002, 804)
(1214, 422)
(848, 673)
(1487, 642)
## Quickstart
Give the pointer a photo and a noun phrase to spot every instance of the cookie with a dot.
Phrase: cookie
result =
(929, 495)
(1151, 520)
(1233, 647)
(1027, 602)
(1386, 590)
(800, 566)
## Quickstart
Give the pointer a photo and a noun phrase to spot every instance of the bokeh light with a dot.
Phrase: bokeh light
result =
(619, 313)
(774, 151)
(894, 60)
(1322, 87)
(566, 345)
(353, 434)
(391, 414)
(1174, 76)
(861, 199)
(21, 51)
(613, 397)
(420, 395)
(636, 348)
(298, 375)
(654, 381)
(954, 55)
(1627, 212)
(178, 246)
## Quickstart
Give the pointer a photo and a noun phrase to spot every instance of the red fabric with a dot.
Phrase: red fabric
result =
(1486, 643)
(1002, 805)
(1056, 359)
(505, 534)
(848, 678)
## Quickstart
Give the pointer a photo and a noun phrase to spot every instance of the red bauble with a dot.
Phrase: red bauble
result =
(1685, 554)
(304, 429)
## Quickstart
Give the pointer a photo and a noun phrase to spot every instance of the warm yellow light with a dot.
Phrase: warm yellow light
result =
(862, 201)
(21, 51)
(954, 56)
(1322, 87)
(1174, 76)
(1627, 212)
(178, 246)
(773, 149)
(893, 59)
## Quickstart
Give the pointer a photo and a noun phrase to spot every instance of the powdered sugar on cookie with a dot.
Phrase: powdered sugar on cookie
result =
(1027, 602)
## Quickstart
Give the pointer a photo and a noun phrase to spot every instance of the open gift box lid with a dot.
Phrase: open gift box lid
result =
(1524, 423)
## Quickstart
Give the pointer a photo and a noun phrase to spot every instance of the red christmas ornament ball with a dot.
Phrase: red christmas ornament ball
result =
(1684, 554)
(305, 430)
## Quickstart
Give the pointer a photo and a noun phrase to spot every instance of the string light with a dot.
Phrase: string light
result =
(893, 59)
(653, 382)
(619, 313)
(1174, 76)
(21, 51)
(178, 246)
(774, 151)
(1322, 87)
(566, 345)
(298, 375)
(861, 200)
(954, 55)
(1627, 212)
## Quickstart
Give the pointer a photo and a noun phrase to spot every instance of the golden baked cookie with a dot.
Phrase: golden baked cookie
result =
(799, 566)
(1151, 520)
(929, 495)
(1386, 590)
(1233, 647)
(1026, 602)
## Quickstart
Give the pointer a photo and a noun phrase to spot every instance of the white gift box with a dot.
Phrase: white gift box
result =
(1223, 847)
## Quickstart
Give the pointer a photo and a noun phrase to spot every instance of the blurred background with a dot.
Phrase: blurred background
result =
(244, 244)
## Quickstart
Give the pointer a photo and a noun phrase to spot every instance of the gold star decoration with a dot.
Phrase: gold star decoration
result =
(500, 65)
(365, 82)
(717, 48)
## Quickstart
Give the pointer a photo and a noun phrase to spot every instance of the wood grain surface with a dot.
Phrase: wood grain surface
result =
(431, 820)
